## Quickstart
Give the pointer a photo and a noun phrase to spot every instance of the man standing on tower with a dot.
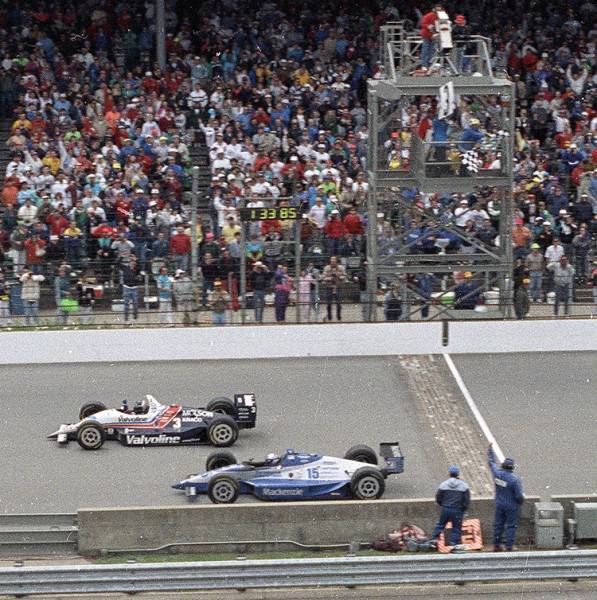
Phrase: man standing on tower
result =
(428, 31)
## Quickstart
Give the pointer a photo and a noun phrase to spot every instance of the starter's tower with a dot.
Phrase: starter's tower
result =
(467, 68)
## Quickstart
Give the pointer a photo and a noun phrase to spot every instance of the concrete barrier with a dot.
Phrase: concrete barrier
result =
(232, 528)
(289, 341)
(567, 500)
(481, 337)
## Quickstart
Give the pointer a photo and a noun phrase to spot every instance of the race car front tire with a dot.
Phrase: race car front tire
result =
(223, 490)
(91, 436)
(222, 405)
(222, 431)
(361, 453)
(367, 483)
(90, 409)
(219, 459)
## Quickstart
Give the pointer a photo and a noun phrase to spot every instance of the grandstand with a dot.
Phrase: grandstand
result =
(269, 100)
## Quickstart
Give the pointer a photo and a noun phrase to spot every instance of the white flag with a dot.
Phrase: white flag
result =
(447, 100)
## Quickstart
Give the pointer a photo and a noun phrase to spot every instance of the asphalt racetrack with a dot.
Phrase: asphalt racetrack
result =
(542, 410)
(318, 405)
(539, 407)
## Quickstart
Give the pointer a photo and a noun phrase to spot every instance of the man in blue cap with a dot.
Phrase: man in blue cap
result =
(454, 496)
(508, 499)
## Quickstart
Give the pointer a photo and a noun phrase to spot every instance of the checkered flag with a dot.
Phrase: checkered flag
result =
(471, 161)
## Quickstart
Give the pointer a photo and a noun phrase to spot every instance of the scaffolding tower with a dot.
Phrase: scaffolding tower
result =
(465, 70)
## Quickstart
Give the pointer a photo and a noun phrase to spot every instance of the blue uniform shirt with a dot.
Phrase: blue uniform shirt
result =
(508, 489)
(469, 138)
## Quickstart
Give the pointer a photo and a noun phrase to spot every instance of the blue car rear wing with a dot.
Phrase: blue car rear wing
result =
(392, 457)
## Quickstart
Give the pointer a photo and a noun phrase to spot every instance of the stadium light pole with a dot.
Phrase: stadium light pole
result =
(160, 32)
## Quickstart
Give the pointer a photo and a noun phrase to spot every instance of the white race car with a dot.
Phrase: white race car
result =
(151, 423)
(297, 475)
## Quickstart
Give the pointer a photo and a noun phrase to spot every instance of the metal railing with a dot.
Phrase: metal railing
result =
(404, 50)
(415, 307)
(444, 159)
(299, 573)
(29, 534)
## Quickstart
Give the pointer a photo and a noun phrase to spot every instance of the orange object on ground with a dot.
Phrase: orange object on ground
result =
(471, 536)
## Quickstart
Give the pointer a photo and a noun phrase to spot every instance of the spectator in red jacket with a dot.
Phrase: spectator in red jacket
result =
(123, 208)
(334, 230)
(180, 249)
(428, 30)
(35, 251)
(57, 222)
(293, 169)
(353, 223)
(270, 225)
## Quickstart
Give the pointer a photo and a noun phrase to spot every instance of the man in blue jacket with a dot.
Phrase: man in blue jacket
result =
(508, 499)
(471, 136)
(466, 293)
(454, 496)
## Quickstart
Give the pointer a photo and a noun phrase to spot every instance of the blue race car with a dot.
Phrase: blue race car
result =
(297, 476)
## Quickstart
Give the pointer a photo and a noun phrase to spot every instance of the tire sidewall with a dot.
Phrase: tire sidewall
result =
(362, 453)
(86, 427)
(89, 409)
(223, 405)
(221, 480)
(367, 473)
(222, 459)
(219, 422)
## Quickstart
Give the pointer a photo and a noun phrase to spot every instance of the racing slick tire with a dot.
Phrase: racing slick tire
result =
(361, 453)
(222, 431)
(91, 436)
(90, 409)
(222, 405)
(223, 490)
(217, 460)
(367, 483)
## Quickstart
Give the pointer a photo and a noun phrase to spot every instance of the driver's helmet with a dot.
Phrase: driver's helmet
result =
(139, 408)
(124, 407)
(271, 457)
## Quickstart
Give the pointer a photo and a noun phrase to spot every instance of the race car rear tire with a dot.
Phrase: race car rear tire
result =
(91, 436)
(222, 405)
(223, 490)
(219, 459)
(361, 453)
(222, 431)
(367, 483)
(90, 409)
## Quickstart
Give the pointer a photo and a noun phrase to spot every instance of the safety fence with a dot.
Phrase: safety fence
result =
(317, 303)
(298, 573)
(307, 314)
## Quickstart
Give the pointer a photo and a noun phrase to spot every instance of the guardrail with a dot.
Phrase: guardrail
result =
(299, 573)
(34, 534)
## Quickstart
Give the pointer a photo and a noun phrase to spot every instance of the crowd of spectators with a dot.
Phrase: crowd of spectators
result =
(100, 142)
